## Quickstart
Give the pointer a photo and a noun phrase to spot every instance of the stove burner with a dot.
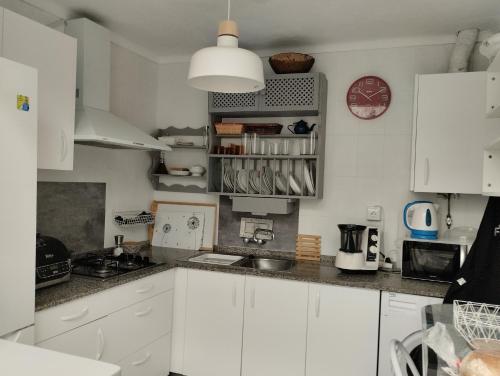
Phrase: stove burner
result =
(106, 266)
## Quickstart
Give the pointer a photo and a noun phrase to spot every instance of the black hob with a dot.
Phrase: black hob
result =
(107, 266)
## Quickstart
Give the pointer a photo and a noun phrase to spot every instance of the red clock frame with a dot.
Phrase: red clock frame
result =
(368, 97)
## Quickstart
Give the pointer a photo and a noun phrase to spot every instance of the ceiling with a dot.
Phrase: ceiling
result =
(177, 28)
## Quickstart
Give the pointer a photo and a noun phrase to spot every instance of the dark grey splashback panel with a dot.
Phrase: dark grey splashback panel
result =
(285, 228)
(74, 213)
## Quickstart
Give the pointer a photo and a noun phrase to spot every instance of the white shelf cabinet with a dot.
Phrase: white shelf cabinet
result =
(450, 132)
(342, 331)
(274, 336)
(53, 54)
(214, 323)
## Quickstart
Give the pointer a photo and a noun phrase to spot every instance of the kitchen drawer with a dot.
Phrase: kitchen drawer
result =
(87, 341)
(134, 327)
(64, 317)
(152, 360)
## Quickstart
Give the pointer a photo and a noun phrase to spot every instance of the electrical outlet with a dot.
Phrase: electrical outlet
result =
(374, 213)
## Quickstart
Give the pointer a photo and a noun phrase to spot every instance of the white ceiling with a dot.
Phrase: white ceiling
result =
(177, 28)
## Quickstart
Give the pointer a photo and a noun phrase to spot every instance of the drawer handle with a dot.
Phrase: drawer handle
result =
(144, 313)
(145, 289)
(142, 361)
(100, 344)
(76, 316)
(318, 303)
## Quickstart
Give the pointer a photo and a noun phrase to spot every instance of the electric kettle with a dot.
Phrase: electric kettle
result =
(423, 223)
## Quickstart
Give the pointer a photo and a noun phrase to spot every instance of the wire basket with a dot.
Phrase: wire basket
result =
(133, 218)
(478, 323)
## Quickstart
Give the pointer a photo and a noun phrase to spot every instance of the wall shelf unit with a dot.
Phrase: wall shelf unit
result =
(290, 176)
(180, 153)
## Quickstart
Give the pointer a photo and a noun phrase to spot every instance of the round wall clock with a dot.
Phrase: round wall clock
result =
(368, 97)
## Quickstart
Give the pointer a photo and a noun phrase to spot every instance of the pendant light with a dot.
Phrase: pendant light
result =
(226, 68)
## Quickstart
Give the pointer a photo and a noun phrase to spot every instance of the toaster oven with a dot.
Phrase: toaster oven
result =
(436, 260)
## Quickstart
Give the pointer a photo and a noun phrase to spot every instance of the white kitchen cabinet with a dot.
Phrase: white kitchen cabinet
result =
(152, 360)
(179, 321)
(275, 326)
(214, 323)
(87, 341)
(53, 54)
(342, 334)
(119, 334)
(64, 317)
(450, 132)
(400, 315)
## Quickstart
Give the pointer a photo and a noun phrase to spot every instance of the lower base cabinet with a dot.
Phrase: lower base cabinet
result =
(153, 360)
(342, 332)
(214, 323)
(275, 325)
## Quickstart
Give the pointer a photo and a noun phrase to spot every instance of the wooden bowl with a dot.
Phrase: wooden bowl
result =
(291, 62)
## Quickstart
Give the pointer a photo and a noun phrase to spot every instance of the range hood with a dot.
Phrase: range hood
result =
(95, 125)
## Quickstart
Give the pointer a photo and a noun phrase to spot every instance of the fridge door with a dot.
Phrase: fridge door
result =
(18, 174)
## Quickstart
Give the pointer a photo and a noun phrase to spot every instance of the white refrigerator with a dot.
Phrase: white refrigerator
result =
(18, 180)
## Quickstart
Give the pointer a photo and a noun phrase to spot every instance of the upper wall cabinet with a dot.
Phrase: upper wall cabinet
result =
(450, 132)
(284, 94)
(54, 55)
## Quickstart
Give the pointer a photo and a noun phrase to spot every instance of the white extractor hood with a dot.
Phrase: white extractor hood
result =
(95, 125)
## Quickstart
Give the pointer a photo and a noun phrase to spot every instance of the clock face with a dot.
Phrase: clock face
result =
(368, 97)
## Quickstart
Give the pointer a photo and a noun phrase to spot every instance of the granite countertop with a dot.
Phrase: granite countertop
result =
(317, 272)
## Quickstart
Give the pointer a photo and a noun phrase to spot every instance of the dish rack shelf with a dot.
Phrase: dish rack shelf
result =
(133, 218)
(294, 177)
(286, 99)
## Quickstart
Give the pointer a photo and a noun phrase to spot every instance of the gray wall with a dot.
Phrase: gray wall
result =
(285, 228)
(73, 213)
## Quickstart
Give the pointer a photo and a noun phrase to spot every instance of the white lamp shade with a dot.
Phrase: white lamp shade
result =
(226, 70)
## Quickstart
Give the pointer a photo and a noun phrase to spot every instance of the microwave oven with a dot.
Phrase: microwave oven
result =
(435, 260)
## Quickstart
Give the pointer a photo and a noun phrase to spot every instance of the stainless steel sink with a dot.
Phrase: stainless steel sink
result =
(268, 264)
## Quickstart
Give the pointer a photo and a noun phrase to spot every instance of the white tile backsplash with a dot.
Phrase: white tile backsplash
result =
(368, 161)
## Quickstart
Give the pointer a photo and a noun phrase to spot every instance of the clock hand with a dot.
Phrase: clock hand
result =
(364, 95)
(376, 92)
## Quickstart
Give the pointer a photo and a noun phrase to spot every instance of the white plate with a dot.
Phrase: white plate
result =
(293, 184)
(308, 180)
(280, 182)
(178, 173)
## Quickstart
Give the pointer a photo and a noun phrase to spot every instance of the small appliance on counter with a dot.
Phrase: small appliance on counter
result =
(433, 260)
(53, 262)
(424, 220)
(359, 249)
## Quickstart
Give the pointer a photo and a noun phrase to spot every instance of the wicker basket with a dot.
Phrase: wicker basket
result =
(291, 62)
(229, 128)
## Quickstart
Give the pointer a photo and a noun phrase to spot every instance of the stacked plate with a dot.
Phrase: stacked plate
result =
(229, 175)
(309, 180)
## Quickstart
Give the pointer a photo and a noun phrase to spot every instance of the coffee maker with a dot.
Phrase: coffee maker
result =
(359, 249)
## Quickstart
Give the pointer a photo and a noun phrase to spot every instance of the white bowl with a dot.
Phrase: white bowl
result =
(198, 170)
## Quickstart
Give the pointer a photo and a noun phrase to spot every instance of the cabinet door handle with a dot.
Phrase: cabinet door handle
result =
(76, 316)
(144, 290)
(318, 303)
(426, 171)
(234, 295)
(147, 311)
(142, 361)
(100, 344)
(64, 145)
(252, 298)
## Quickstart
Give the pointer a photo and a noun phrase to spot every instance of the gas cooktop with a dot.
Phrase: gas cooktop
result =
(107, 266)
